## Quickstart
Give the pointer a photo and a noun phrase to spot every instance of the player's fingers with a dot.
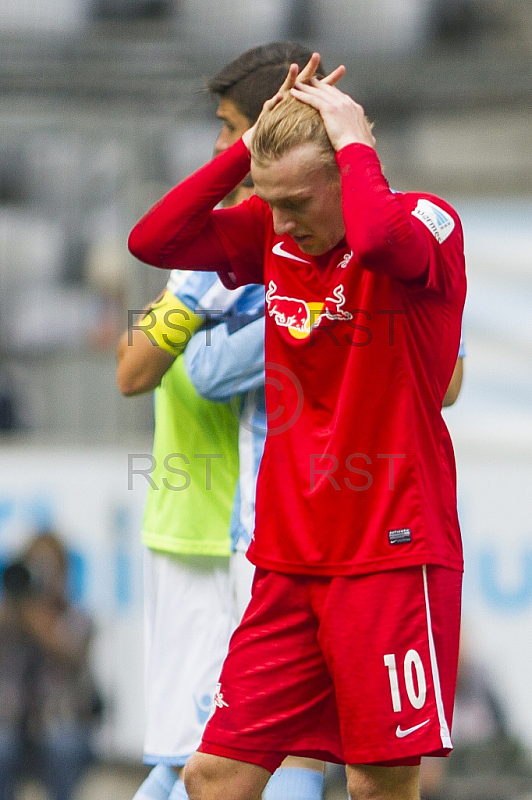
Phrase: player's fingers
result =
(319, 94)
(334, 76)
(306, 73)
(311, 95)
(290, 79)
(272, 102)
(310, 68)
(316, 93)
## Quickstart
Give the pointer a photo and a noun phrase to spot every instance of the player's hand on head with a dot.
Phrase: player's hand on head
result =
(290, 80)
(294, 76)
(308, 74)
(344, 118)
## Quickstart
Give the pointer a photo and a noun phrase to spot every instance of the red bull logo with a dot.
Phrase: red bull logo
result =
(288, 312)
(300, 316)
(333, 308)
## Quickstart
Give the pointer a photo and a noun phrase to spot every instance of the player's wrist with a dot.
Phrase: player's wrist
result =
(247, 137)
(345, 141)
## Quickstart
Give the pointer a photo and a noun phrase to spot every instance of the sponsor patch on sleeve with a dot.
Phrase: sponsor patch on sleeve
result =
(438, 221)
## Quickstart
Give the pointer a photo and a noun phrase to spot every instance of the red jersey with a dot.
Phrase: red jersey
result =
(358, 470)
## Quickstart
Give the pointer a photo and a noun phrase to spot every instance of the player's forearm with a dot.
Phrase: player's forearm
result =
(379, 230)
(147, 349)
(177, 232)
(140, 364)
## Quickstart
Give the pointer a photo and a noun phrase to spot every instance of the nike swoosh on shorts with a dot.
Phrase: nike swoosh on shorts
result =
(401, 733)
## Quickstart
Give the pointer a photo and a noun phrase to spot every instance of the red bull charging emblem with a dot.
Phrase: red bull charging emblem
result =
(300, 316)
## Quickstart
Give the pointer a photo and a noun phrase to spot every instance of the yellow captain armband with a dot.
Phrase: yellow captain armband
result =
(169, 324)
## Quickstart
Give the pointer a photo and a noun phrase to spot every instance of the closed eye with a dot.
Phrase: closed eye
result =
(293, 205)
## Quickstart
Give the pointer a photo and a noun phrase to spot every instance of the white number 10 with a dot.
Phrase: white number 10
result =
(412, 663)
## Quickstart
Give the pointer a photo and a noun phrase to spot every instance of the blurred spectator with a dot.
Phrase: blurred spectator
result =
(9, 417)
(484, 743)
(479, 715)
(486, 752)
(48, 700)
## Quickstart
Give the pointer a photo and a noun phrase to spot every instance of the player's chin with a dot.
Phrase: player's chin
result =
(307, 244)
(315, 249)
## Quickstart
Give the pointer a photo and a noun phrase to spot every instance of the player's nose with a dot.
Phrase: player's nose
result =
(223, 141)
(282, 222)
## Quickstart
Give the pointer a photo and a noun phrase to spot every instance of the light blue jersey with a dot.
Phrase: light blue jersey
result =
(202, 292)
(226, 363)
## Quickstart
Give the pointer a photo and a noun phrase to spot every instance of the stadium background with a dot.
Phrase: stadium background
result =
(101, 110)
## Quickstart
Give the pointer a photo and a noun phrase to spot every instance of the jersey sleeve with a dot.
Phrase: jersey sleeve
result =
(439, 223)
(227, 360)
(201, 291)
(410, 237)
(184, 230)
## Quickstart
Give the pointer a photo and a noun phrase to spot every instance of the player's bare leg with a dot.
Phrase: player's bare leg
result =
(209, 777)
(383, 783)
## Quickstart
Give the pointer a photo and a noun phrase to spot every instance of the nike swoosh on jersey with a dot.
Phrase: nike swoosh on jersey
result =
(400, 733)
(277, 250)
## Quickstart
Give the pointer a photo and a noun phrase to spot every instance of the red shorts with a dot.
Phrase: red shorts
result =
(356, 670)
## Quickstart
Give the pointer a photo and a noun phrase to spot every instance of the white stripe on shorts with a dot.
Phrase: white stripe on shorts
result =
(444, 728)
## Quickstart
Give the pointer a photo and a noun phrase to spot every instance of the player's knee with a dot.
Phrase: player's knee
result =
(205, 778)
(195, 776)
(383, 783)
(210, 777)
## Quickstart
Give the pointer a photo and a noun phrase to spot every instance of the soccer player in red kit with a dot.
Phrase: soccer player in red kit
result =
(348, 649)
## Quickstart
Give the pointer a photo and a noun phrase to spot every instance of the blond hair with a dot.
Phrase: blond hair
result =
(291, 123)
